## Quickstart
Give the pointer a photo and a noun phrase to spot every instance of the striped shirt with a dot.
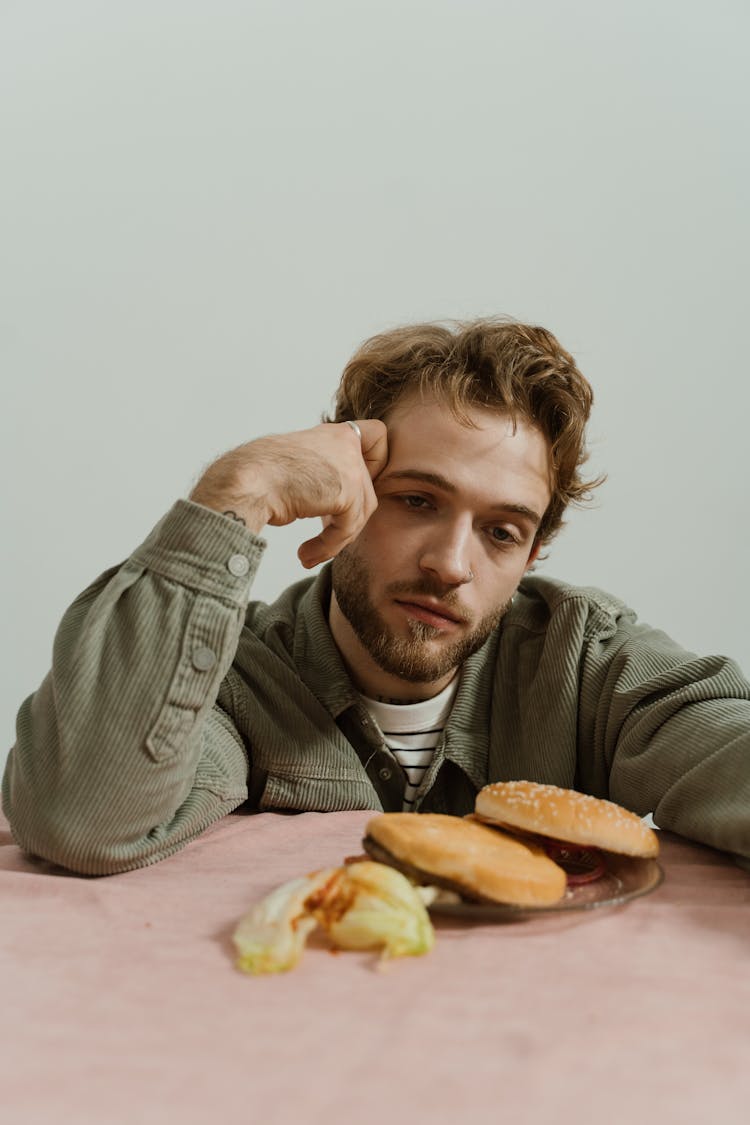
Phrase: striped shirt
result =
(412, 732)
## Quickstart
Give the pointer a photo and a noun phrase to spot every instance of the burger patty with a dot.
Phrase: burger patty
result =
(419, 875)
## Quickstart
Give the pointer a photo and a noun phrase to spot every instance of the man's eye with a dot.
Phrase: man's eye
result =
(502, 535)
(414, 501)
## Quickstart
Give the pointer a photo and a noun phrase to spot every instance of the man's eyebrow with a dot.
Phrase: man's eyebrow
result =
(420, 474)
(438, 481)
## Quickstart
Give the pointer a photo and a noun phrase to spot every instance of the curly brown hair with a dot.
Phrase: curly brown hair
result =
(517, 369)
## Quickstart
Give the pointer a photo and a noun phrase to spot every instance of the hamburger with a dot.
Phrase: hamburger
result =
(478, 863)
(564, 821)
(525, 844)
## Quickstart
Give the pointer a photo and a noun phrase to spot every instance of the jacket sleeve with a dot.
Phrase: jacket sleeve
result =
(673, 730)
(123, 754)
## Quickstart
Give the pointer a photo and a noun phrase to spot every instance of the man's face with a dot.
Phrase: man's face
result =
(434, 569)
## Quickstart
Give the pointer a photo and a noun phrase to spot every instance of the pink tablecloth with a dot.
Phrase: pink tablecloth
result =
(121, 1002)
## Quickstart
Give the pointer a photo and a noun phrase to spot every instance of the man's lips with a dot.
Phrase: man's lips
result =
(431, 612)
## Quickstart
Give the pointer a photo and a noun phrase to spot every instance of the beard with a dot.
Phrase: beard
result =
(411, 658)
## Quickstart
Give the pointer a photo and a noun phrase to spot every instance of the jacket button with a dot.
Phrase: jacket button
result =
(203, 658)
(384, 774)
(238, 565)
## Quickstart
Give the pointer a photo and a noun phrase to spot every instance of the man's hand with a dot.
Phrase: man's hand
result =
(324, 471)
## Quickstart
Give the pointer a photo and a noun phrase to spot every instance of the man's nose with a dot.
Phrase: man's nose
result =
(447, 554)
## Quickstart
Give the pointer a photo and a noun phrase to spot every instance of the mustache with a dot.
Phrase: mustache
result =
(428, 588)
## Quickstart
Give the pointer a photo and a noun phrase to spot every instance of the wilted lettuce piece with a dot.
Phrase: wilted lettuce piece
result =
(372, 905)
(270, 937)
(361, 906)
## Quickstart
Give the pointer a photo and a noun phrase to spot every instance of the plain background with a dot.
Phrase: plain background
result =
(206, 206)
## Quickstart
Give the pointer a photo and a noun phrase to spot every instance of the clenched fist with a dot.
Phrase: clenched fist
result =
(325, 471)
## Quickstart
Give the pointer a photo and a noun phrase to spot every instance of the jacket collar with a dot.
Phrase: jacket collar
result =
(315, 653)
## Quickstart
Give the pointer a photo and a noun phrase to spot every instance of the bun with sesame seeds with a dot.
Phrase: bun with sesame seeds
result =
(565, 815)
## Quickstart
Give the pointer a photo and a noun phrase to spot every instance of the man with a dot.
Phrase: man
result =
(418, 666)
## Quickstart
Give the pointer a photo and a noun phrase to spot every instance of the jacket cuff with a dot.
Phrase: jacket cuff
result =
(203, 550)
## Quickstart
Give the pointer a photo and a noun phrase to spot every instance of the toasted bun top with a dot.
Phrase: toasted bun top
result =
(481, 861)
(565, 814)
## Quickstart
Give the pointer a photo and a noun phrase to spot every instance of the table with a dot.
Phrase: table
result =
(121, 1002)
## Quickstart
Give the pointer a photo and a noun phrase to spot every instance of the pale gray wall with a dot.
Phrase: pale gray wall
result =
(206, 206)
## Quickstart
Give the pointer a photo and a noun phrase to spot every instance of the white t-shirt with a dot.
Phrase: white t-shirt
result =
(412, 731)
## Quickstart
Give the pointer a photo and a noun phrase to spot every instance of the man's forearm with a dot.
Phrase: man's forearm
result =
(674, 730)
(106, 773)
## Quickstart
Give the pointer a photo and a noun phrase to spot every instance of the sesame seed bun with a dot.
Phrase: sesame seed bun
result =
(480, 863)
(564, 814)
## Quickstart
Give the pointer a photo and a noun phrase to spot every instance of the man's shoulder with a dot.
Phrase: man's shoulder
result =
(541, 598)
(283, 611)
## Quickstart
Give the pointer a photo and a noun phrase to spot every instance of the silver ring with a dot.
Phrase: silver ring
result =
(356, 429)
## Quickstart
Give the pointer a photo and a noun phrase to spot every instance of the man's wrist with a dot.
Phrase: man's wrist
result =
(249, 512)
(224, 488)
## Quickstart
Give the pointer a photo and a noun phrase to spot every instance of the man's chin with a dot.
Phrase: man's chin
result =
(422, 661)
